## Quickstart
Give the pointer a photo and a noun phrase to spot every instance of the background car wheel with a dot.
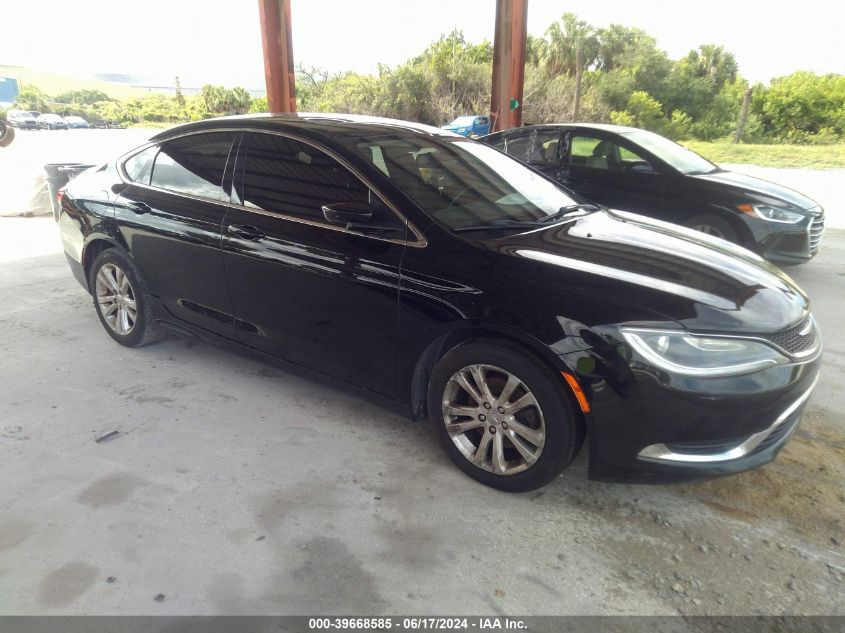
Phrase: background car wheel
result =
(121, 300)
(502, 417)
(713, 225)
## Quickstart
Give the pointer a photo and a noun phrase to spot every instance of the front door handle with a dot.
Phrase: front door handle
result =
(139, 207)
(246, 232)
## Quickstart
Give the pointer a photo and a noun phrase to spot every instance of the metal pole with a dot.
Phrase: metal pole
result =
(279, 73)
(508, 64)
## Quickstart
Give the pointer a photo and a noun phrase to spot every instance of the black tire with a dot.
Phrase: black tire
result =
(144, 329)
(713, 225)
(564, 431)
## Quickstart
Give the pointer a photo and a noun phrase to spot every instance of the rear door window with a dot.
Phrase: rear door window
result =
(140, 166)
(537, 147)
(193, 164)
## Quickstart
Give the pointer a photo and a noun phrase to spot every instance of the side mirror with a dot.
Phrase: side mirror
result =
(642, 168)
(347, 213)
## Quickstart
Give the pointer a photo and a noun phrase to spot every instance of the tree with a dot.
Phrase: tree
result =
(32, 98)
(180, 98)
(83, 97)
(563, 39)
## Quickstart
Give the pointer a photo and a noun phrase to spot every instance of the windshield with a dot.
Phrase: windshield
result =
(51, 117)
(73, 119)
(463, 183)
(463, 120)
(684, 160)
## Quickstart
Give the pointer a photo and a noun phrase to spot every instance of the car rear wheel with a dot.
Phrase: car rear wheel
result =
(713, 225)
(120, 299)
(502, 417)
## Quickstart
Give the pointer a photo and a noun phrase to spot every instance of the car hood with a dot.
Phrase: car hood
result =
(755, 188)
(702, 283)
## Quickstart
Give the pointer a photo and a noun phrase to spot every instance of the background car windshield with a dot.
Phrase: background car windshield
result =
(463, 183)
(684, 160)
(464, 120)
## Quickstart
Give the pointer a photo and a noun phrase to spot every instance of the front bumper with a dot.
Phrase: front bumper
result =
(646, 426)
(790, 243)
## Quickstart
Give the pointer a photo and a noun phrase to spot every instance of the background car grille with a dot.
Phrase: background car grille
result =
(816, 230)
(792, 341)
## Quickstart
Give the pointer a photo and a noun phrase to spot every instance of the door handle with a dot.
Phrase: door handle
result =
(245, 231)
(139, 207)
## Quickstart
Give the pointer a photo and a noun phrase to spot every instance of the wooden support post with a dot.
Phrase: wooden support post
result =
(279, 73)
(508, 64)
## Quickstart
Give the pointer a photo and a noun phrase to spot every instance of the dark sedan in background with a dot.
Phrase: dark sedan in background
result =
(449, 278)
(640, 171)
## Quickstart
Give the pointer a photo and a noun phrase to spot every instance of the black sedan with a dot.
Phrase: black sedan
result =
(440, 274)
(643, 172)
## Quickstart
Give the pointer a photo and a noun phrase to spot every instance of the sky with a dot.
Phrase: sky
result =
(219, 41)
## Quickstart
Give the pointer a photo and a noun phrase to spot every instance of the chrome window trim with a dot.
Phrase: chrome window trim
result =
(662, 453)
(420, 242)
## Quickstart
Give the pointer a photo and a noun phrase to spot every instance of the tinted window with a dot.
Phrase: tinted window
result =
(598, 153)
(289, 177)
(139, 166)
(193, 164)
(535, 148)
(459, 182)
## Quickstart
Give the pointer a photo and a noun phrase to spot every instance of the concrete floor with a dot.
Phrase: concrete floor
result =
(235, 487)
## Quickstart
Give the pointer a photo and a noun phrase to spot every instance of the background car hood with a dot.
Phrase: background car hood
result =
(755, 187)
(701, 282)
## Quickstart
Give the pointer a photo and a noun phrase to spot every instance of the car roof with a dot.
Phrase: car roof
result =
(604, 127)
(321, 125)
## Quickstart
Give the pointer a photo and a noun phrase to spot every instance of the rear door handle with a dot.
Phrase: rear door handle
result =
(246, 232)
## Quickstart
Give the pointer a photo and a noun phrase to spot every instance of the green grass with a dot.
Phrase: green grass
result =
(797, 156)
(55, 84)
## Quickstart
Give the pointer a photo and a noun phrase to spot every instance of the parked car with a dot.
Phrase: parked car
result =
(21, 119)
(76, 122)
(640, 171)
(443, 275)
(471, 126)
(107, 124)
(50, 121)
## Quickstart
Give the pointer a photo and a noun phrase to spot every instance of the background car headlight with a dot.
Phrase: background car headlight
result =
(692, 355)
(773, 214)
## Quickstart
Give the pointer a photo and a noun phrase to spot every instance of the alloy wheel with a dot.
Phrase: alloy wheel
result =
(493, 419)
(116, 299)
(709, 230)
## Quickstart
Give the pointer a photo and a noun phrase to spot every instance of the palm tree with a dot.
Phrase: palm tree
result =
(563, 40)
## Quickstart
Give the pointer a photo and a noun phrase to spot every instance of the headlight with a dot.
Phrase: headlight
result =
(693, 355)
(773, 214)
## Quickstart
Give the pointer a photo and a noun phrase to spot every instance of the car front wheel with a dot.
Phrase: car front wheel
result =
(502, 417)
(121, 300)
(713, 225)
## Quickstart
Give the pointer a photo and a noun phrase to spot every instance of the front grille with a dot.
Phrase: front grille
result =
(816, 230)
(792, 341)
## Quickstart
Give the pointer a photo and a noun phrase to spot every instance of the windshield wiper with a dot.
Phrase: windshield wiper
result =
(497, 225)
(570, 211)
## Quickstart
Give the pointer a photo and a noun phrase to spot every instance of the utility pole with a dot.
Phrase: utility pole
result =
(276, 40)
(508, 64)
